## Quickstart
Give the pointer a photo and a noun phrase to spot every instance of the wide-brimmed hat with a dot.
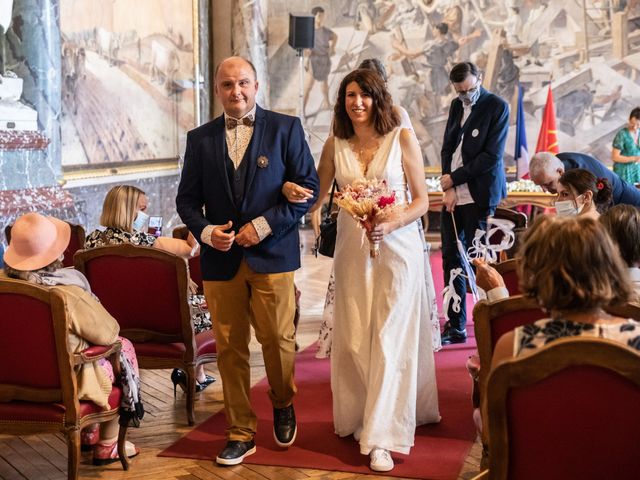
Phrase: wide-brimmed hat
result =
(36, 241)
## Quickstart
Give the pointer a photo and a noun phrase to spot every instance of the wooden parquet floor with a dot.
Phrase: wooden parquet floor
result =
(41, 457)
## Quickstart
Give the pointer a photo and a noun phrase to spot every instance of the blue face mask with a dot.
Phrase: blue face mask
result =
(141, 222)
(470, 96)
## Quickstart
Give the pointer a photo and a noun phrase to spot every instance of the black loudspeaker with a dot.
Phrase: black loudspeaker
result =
(301, 31)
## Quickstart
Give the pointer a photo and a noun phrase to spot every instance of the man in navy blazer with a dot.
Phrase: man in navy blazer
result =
(230, 198)
(545, 169)
(473, 179)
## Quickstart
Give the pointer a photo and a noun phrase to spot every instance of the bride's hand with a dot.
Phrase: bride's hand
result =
(378, 232)
(295, 193)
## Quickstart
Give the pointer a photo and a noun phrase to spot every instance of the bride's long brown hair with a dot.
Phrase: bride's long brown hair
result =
(385, 118)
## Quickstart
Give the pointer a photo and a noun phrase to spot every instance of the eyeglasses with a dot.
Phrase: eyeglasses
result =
(471, 90)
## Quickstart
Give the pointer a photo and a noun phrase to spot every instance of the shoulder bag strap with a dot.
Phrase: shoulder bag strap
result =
(330, 207)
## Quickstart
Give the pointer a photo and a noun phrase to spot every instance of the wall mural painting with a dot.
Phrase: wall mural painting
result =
(127, 86)
(527, 41)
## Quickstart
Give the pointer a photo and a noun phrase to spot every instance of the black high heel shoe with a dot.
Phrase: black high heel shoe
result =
(178, 377)
(208, 380)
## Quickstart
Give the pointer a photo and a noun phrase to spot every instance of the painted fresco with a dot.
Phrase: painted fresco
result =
(127, 86)
(513, 41)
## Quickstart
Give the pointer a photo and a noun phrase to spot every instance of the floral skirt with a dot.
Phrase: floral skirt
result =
(130, 354)
(200, 315)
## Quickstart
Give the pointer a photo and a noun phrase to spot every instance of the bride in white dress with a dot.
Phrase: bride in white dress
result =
(382, 366)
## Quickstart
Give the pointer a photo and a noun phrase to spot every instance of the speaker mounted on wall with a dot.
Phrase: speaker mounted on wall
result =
(301, 31)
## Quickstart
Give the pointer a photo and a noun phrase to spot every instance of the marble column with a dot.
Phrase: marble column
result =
(33, 54)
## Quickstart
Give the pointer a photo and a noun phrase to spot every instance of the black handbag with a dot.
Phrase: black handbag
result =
(326, 241)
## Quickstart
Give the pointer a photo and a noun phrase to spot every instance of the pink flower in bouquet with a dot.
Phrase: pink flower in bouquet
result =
(370, 202)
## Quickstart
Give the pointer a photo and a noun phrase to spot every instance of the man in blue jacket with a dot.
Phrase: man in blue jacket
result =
(230, 198)
(473, 179)
(545, 169)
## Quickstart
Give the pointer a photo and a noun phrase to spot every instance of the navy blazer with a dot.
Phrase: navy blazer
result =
(623, 192)
(205, 196)
(485, 134)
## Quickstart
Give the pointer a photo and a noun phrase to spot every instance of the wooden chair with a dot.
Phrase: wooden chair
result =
(508, 270)
(491, 321)
(38, 385)
(75, 243)
(182, 232)
(146, 291)
(569, 410)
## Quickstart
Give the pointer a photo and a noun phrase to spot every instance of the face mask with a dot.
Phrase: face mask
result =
(469, 98)
(566, 208)
(141, 221)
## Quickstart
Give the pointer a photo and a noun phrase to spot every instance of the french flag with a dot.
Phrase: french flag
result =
(521, 154)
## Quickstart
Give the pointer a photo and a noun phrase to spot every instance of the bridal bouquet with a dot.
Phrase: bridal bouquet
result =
(370, 202)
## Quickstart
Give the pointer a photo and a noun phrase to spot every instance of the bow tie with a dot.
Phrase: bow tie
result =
(233, 123)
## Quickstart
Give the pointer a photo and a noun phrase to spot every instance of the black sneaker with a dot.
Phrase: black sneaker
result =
(284, 426)
(235, 451)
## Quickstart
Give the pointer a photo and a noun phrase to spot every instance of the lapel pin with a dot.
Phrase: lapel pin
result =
(475, 132)
(263, 162)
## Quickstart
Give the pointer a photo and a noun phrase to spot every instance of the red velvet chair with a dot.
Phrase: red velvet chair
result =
(194, 262)
(491, 321)
(75, 243)
(569, 410)
(508, 270)
(146, 291)
(38, 386)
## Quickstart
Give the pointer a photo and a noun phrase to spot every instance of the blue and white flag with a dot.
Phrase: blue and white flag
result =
(521, 154)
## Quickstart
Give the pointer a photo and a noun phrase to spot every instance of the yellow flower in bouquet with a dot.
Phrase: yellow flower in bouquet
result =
(370, 202)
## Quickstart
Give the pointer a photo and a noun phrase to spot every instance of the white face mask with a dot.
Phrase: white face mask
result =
(568, 208)
(141, 222)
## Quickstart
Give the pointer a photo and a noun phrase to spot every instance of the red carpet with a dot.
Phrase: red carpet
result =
(439, 450)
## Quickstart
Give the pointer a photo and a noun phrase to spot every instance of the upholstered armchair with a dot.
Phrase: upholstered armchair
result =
(568, 410)
(146, 291)
(38, 385)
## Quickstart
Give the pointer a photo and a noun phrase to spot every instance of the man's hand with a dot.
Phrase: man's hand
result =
(247, 236)
(445, 182)
(295, 193)
(222, 240)
(487, 277)
(450, 199)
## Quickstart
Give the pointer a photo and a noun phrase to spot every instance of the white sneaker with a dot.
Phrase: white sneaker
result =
(381, 460)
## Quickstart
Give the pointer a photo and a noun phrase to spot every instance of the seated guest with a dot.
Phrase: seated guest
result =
(35, 255)
(581, 193)
(546, 168)
(573, 270)
(623, 224)
(123, 215)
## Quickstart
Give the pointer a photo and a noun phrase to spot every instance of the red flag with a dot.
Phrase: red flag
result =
(548, 136)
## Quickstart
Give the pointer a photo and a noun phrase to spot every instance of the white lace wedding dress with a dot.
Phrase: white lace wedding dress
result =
(382, 366)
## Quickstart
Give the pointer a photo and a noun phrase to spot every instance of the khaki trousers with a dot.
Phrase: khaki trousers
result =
(267, 302)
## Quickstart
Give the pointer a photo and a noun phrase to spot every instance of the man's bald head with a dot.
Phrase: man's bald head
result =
(545, 170)
(236, 86)
(233, 60)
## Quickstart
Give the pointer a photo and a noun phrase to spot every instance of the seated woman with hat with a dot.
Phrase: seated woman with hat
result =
(35, 255)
